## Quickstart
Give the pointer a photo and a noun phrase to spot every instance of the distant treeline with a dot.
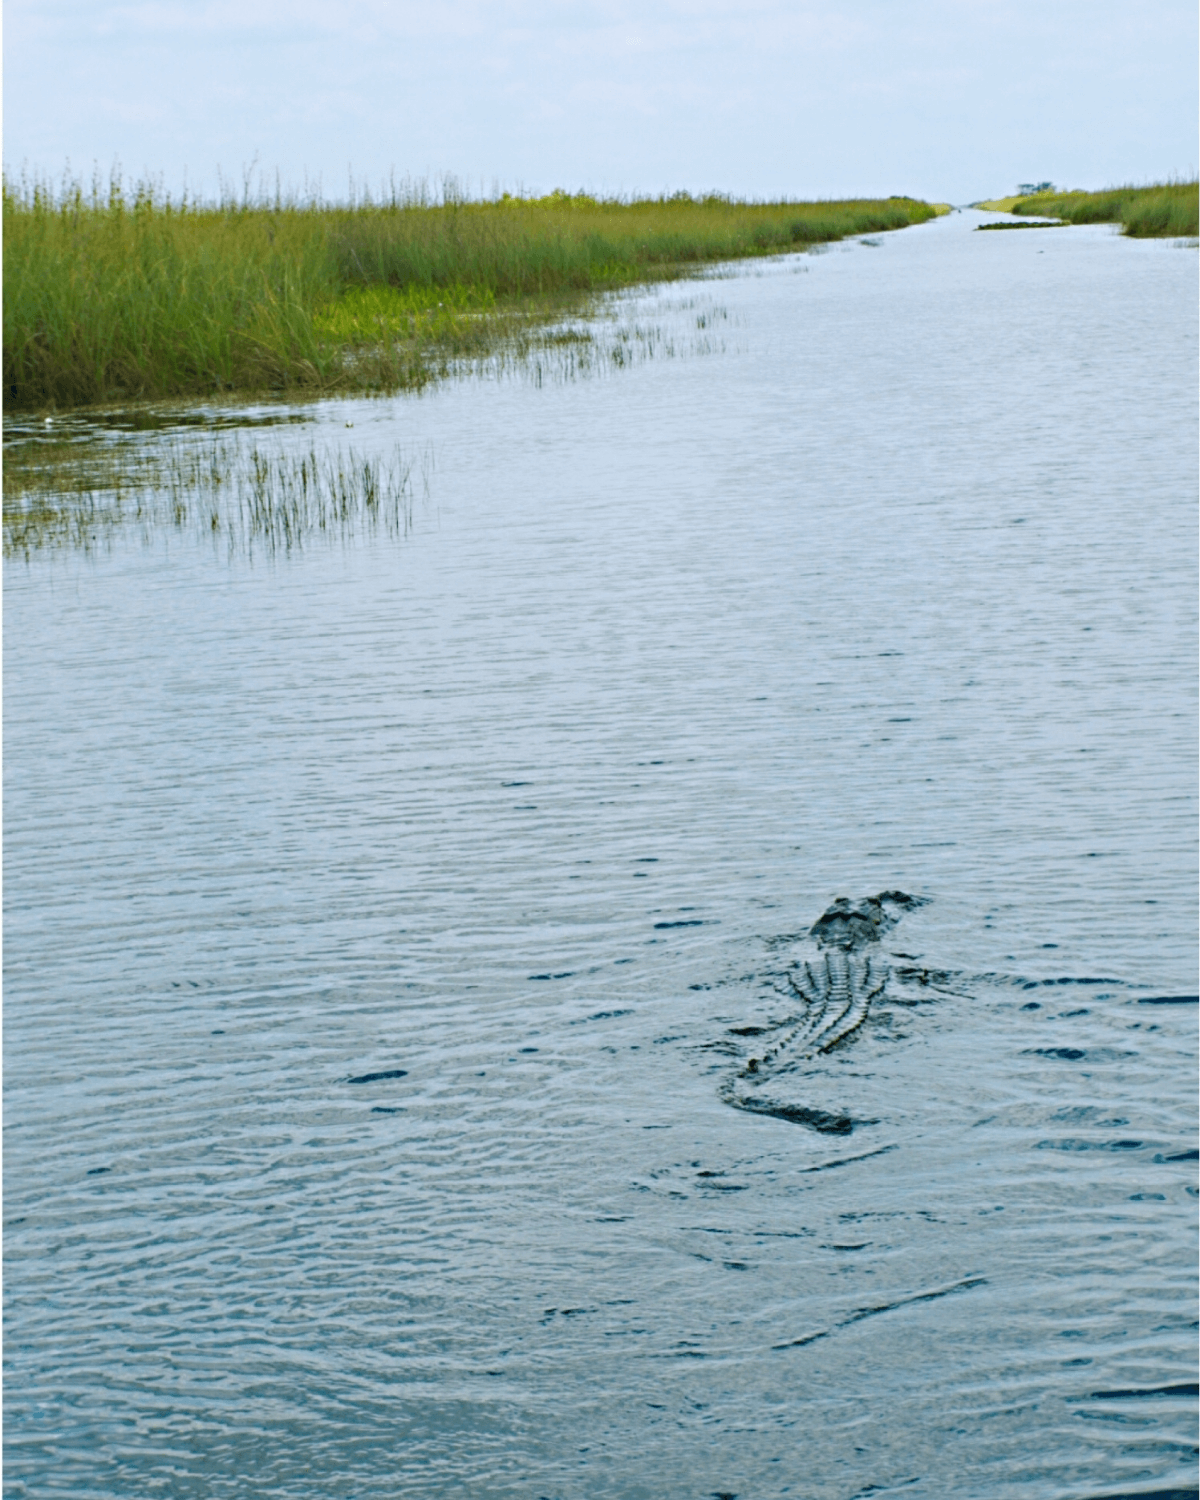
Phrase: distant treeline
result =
(1168, 209)
(119, 294)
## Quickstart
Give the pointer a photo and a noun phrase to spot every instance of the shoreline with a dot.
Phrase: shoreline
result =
(1163, 210)
(111, 300)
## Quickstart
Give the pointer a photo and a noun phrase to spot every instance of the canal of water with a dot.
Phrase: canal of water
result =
(388, 917)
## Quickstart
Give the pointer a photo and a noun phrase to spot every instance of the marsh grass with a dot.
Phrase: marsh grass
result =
(623, 330)
(1033, 224)
(78, 480)
(242, 496)
(1166, 210)
(116, 296)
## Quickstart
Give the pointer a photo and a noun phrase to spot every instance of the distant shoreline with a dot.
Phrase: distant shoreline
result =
(1164, 210)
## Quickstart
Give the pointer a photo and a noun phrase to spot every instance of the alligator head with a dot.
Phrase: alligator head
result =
(853, 925)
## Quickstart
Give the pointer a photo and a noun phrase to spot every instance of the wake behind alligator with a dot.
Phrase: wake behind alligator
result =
(835, 989)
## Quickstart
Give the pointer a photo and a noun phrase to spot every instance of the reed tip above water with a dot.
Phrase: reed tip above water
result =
(246, 497)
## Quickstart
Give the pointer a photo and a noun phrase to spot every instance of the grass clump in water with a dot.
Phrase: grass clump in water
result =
(116, 296)
(1034, 224)
(1166, 210)
(245, 498)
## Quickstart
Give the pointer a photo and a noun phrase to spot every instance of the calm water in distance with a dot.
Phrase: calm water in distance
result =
(897, 591)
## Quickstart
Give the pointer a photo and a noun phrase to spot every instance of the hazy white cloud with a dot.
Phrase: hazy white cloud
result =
(947, 98)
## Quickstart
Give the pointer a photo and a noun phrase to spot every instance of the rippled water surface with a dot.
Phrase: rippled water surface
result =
(889, 586)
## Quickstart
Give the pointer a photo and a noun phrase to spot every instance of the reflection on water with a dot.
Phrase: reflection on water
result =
(388, 925)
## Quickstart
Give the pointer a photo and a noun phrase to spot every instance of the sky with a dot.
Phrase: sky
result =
(949, 100)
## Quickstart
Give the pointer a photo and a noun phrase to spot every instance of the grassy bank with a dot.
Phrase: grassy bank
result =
(119, 296)
(1169, 210)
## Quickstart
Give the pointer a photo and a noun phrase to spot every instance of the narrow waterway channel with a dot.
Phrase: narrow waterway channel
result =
(386, 918)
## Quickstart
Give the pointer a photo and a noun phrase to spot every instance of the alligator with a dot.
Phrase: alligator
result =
(838, 980)
(835, 988)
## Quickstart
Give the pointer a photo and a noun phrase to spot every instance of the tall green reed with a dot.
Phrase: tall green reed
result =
(123, 294)
(1163, 210)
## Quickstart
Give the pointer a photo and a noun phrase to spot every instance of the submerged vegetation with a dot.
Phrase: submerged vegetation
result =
(245, 497)
(116, 295)
(1166, 210)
